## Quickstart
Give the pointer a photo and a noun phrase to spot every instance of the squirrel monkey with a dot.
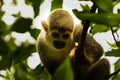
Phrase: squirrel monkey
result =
(56, 42)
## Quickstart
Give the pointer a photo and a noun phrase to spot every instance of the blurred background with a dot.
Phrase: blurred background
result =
(20, 24)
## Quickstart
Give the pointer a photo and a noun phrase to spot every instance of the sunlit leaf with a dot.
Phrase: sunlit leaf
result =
(113, 45)
(117, 65)
(17, 15)
(117, 77)
(108, 19)
(114, 52)
(22, 25)
(64, 72)
(34, 33)
(56, 4)
(115, 0)
(105, 5)
(98, 28)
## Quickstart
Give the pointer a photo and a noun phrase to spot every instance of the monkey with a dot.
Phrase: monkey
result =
(59, 40)
(56, 41)
(92, 66)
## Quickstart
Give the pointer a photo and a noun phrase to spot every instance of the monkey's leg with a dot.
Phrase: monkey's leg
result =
(99, 71)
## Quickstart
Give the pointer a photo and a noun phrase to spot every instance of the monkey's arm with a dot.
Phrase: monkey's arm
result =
(92, 50)
(99, 70)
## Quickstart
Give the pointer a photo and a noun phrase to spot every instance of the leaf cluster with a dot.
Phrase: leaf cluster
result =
(13, 57)
(104, 20)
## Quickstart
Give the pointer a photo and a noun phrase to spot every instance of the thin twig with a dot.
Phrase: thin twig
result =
(114, 73)
(117, 36)
(114, 37)
(1, 3)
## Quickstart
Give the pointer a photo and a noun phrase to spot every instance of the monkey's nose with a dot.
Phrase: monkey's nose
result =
(59, 44)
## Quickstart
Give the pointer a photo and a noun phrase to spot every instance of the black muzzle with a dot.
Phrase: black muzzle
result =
(59, 44)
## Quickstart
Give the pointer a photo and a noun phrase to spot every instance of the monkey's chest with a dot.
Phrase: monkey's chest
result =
(56, 55)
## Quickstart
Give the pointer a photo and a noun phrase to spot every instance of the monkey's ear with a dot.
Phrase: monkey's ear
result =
(44, 25)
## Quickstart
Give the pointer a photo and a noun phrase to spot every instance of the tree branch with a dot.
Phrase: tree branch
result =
(114, 37)
(113, 74)
(1, 3)
(79, 52)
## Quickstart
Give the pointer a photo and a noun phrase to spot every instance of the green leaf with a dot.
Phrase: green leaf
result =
(40, 73)
(20, 74)
(117, 67)
(15, 2)
(56, 4)
(108, 19)
(105, 5)
(117, 77)
(38, 70)
(114, 52)
(64, 72)
(85, 8)
(118, 10)
(36, 5)
(3, 29)
(5, 56)
(44, 76)
(34, 33)
(98, 28)
(118, 43)
(84, 0)
(23, 52)
(22, 25)
(113, 45)
(2, 26)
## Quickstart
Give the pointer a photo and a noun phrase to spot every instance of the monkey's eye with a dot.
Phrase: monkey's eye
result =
(56, 35)
(66, 36)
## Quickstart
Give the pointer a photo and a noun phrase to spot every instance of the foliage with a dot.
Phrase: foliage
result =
(13, 57)
(65, 71)
(56, 4)
(36, 4)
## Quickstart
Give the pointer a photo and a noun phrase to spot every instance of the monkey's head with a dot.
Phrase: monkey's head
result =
(59, 29)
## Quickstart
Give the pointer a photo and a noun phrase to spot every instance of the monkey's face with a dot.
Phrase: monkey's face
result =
(60, 38)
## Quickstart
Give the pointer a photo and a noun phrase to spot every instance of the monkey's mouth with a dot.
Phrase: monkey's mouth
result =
(59, 44)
